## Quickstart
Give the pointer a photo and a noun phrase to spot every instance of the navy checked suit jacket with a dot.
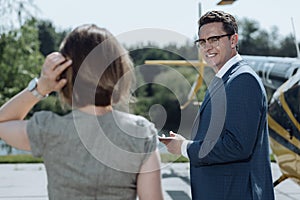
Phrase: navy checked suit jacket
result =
(229, 156)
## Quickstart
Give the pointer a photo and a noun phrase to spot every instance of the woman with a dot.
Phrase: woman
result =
(95, 151)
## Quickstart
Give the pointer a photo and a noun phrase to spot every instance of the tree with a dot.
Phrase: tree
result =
(14, 13)
(159, 102)
(188, 51)
(20, 59)
(49, 38)
(287, 47)
(248, 33)
(256, 41)
(139, 55)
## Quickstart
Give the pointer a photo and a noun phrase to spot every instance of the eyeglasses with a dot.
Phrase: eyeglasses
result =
(213, 41)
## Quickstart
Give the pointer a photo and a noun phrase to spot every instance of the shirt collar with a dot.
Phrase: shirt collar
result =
(228, 65)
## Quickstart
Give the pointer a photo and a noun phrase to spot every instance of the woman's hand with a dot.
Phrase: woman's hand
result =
(53, 66)
(12, 124)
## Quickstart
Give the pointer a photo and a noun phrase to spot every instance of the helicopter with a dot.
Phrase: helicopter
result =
(281, 78)
(284, 127)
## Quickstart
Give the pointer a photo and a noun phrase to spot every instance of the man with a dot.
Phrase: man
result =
(229, 154)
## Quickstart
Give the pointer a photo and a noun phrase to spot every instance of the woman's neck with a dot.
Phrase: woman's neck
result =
(96, 110)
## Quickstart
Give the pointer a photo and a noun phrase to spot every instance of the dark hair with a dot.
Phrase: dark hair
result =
(101, 71)
(229, 23)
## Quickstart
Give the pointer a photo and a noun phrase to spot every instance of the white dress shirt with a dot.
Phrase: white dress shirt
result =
(219, 74)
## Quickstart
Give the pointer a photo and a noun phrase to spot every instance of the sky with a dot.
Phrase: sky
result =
(164, 21)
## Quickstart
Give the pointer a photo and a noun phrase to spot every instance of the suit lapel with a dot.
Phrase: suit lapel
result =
(217, 83)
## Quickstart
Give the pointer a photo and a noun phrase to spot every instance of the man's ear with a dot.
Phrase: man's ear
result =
(234, 40)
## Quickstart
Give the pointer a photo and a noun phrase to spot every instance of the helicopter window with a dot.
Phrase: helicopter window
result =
(295, 71)
(292, 97)
(277, 113)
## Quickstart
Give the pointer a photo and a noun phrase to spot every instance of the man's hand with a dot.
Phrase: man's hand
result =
(173, 142)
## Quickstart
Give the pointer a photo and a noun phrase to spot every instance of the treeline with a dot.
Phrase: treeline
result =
(160, 89)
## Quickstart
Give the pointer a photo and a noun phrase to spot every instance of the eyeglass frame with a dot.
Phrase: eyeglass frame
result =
(217, 37)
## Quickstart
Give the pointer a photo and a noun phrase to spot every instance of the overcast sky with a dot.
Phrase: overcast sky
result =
(164, 21)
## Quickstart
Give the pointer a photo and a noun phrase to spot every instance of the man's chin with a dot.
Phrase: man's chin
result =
(211, 64)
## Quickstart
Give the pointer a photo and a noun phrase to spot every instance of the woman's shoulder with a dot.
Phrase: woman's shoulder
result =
(131, 118)
(45, 114)
(133, 123)
(48, 118)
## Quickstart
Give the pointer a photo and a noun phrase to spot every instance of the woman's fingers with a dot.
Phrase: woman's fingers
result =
(53, 60)
(53, 66)
(60, 84)
(60, 68)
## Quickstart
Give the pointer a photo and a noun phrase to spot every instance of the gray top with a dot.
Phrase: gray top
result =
(91, 157)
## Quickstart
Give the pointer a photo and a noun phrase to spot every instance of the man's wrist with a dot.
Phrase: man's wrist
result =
(184, 145)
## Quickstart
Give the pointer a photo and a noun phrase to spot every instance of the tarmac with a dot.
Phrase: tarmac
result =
(29, 182)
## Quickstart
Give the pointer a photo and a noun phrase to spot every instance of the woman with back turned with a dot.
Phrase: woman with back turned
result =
(95, 151)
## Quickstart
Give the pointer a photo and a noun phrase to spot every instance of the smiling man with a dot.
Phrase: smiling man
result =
(229, 150)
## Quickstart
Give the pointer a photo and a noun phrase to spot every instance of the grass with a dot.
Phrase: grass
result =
(27, 158)
(22, 158)
(166, 157)
(272, 158)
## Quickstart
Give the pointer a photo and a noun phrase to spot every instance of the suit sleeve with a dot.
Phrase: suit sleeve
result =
(244, 107)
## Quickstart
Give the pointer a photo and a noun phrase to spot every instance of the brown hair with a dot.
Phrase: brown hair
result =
(229, 23)
(101, 71)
